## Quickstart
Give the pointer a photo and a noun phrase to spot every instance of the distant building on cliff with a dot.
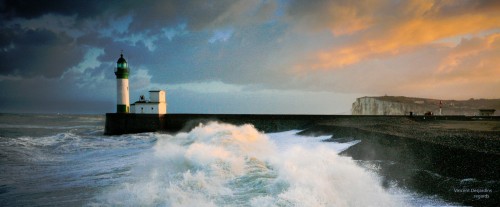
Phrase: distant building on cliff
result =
(486, 112)
(156, 104)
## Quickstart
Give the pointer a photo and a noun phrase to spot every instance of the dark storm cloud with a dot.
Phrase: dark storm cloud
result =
(199, 14)
(52, 52)
(35, 8)
(32, 52)
(191, 58)
(138, 51)
(147, 15)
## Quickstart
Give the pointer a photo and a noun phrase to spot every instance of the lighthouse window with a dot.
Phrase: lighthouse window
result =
(122, 65)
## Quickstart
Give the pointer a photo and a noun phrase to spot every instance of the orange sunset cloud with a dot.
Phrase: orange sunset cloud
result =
(416, 24)
(392, 39)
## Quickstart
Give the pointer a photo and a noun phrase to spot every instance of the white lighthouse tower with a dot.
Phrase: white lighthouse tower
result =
(122, 94)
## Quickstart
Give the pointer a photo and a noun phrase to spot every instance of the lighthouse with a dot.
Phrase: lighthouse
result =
(122, 94)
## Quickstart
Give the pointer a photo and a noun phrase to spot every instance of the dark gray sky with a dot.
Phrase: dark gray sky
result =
(245, 56)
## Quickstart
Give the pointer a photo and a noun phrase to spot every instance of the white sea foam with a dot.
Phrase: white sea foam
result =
(226, 165)
(285, 140)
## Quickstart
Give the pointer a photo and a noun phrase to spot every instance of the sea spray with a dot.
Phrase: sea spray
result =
(225, 165)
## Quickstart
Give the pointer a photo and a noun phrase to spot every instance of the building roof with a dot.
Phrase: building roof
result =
(146, 103)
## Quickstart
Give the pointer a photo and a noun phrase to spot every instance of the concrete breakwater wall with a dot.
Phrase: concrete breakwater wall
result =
(123, 123)
(136, 123)
(117, 123)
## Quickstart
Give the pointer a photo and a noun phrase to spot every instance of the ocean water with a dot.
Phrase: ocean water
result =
(64, 160)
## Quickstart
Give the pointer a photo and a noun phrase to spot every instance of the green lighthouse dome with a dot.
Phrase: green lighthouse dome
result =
(121, 70)
(121, 63)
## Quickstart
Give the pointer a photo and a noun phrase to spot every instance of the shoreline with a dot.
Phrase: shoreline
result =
(432, 156)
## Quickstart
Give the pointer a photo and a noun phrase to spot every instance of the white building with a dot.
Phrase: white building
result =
(156, 104)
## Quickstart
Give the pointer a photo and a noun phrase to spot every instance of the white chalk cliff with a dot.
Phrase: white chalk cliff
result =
(400, 105)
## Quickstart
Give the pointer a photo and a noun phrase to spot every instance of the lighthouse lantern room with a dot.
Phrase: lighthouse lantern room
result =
(122, 90)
